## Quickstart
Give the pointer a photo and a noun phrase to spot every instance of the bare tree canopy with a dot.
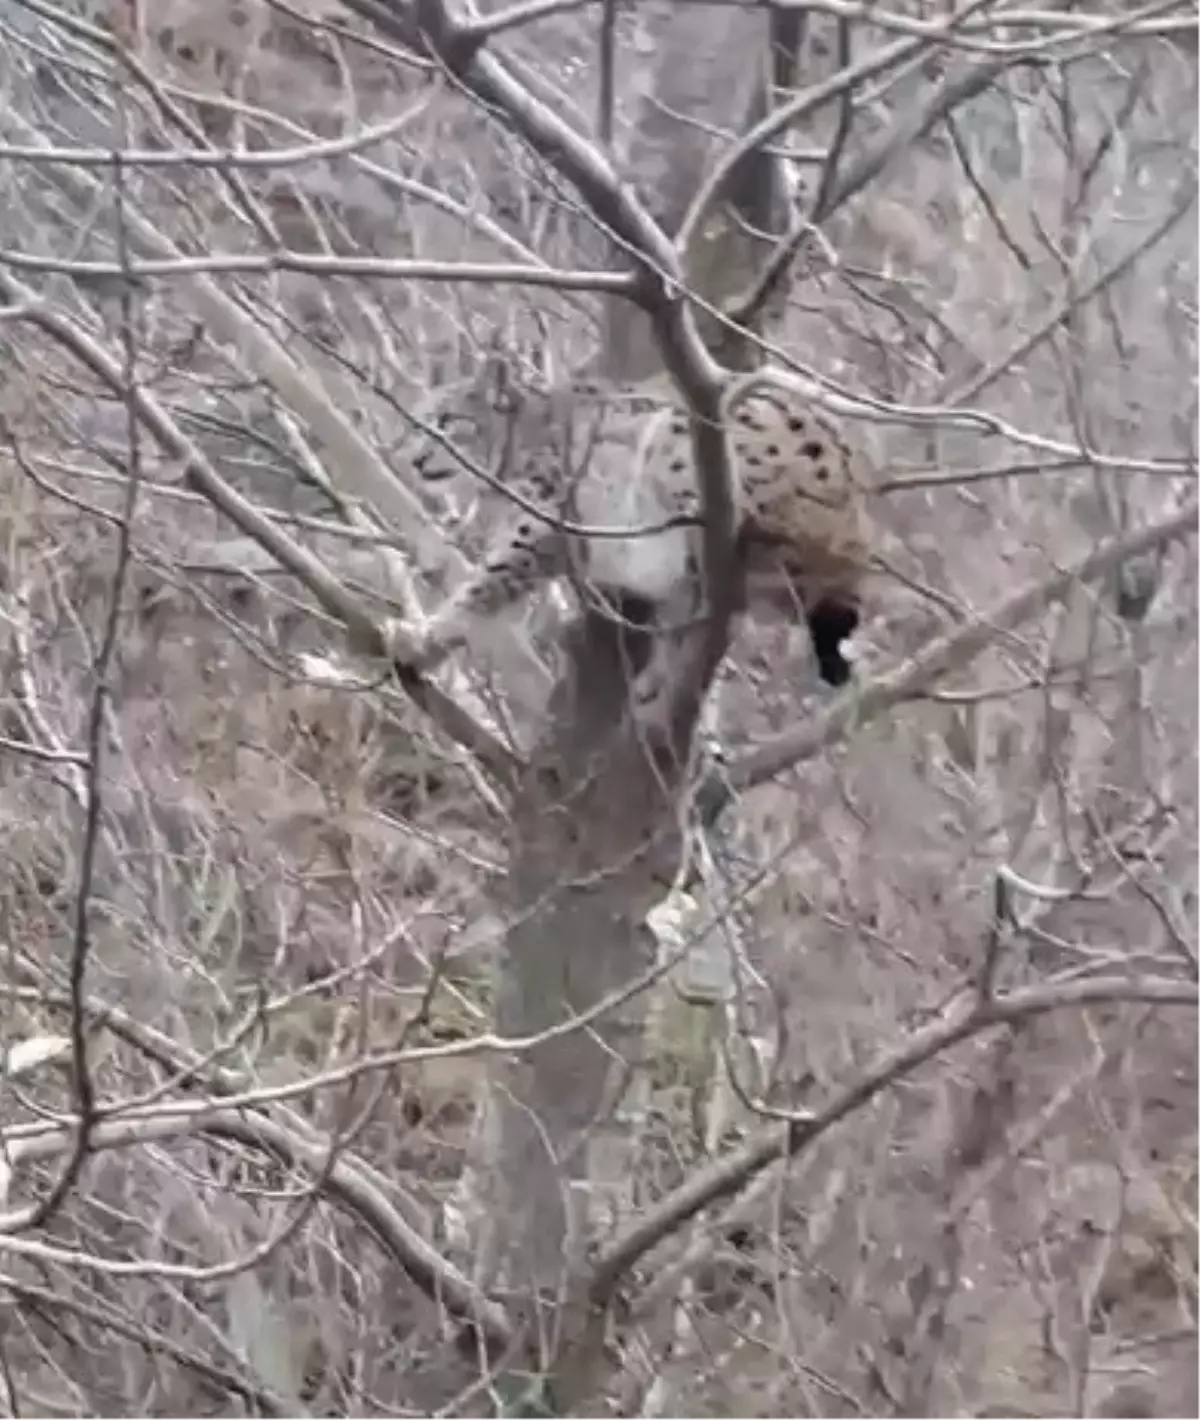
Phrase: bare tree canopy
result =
(598, 730)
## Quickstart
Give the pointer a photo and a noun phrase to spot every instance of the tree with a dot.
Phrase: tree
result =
(243, 245)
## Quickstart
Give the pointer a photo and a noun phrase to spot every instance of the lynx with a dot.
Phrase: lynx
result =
(606, 493)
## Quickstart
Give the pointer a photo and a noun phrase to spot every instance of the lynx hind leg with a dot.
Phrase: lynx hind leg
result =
(651, 694)
(522, 555)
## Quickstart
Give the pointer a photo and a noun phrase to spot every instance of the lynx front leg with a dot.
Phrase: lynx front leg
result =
(666, 683)
(655, 689)
(515, 563)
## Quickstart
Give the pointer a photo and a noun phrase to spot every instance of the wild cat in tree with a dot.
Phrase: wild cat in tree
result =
(603, 490)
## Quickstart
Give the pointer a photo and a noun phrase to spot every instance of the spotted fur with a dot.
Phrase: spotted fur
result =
(608, 496)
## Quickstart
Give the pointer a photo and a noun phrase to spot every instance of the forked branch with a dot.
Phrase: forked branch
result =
(659, 286)
(367, 633)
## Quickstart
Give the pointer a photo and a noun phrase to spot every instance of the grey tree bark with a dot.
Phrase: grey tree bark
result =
(595, 839)
(711, 80)
(596, 815)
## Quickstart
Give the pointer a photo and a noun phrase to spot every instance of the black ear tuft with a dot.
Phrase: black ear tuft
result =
(1137, 586)
(829, 624)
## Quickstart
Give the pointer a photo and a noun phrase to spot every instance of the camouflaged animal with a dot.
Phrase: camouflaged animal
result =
(605, 492)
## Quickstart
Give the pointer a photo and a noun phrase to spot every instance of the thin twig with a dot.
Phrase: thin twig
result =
(81, 1079)
(608, 73)
(845, 122)
(997, 935)
(347, 1184)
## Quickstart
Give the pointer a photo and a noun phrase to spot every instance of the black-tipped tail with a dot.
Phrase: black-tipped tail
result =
(829, 624)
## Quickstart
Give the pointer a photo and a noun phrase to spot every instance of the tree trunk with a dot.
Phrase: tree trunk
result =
(596, 816)
(595, 843)
(711, 81)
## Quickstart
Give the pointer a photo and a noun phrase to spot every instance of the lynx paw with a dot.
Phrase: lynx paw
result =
(407, 644)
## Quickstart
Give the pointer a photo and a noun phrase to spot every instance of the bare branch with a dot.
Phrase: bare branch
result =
(84, 1091)
(358, 466)
(948, 95)
(794, 112)
(1077, 298)
(42, 754)
(607, 41)
(730, 1174)
(314, 264)
(845, 121)
(343, 1181)
(367, 635)
(952, 650)
(155, 1341)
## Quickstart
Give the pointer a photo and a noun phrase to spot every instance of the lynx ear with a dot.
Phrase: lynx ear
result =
(507, 371)
(493, 378)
